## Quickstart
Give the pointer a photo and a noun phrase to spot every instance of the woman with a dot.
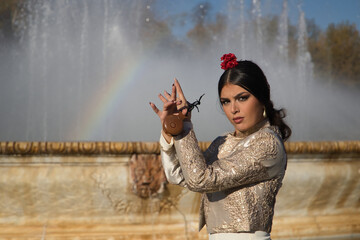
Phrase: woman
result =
(240, 173)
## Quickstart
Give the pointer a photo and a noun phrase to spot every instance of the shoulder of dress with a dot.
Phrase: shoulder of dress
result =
(264, 145)
(270, 131)
(267, 136)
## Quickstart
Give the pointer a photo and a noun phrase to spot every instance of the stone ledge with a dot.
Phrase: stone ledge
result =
(116, 148)
(68, 231)
(314, 227)
(309, 227)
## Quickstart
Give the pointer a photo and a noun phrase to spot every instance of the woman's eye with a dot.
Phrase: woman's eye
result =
(224, 102)
(243, 98)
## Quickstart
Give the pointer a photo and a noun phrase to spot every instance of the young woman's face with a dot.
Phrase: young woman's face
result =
(241, 107)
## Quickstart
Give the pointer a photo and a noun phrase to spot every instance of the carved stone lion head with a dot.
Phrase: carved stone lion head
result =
(147, 175)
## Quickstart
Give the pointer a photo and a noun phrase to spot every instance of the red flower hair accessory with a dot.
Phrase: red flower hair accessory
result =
(229, 61)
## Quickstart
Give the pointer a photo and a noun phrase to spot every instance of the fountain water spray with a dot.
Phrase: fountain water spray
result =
(85, 70)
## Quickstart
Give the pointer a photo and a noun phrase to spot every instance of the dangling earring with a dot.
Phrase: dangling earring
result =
(264, 113)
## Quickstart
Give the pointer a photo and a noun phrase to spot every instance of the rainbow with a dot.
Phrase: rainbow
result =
(107, 98)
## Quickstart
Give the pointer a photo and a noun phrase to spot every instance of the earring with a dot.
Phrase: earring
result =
(264, 113)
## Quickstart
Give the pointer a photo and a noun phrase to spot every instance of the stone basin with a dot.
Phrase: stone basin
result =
(117, 190)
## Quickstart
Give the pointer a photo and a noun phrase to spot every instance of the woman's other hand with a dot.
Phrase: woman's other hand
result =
(169, 105)
(172, 105)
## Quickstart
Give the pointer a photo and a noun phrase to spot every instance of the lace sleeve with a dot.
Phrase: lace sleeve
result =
(259, 157)
(171, 163)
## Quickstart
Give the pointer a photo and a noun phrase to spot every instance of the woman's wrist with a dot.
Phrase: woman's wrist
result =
(167, 136)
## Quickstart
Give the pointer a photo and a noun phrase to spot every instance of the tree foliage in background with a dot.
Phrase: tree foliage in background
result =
(335, 52)
(151, 31)
(8, 11)
(205, 31)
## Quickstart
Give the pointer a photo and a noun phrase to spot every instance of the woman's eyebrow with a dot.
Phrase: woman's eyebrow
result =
(236, 96)
(240, 94)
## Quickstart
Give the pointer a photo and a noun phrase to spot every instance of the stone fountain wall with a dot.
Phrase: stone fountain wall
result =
(107, 190)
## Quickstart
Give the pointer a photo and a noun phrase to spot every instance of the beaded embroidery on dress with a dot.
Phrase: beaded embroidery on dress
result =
(239, 177)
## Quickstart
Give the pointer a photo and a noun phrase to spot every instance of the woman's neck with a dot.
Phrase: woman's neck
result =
(251, 130)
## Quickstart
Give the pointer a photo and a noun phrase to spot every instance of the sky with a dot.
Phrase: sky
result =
(332, 11)
(324, 12)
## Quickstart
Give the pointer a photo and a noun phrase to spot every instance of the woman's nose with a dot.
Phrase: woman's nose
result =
(234, 108)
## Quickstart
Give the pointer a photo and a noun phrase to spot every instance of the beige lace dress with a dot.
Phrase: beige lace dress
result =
(239, 177)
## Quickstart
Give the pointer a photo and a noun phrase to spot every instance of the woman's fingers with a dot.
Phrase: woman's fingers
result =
(179, 90)
(156, 110)
(171, 104)
(183, 106)
(168, 96)
(168, 109)
(173, 92)
(168, 105)
(162, 98)
(171, 97)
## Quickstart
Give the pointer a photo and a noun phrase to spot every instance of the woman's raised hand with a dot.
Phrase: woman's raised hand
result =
(171, 104)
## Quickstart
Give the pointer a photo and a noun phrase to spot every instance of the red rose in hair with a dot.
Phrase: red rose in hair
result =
(229, 61)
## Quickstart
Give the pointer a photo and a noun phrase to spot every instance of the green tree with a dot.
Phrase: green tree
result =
(320, 54)
(336, 53)
(344, 45)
